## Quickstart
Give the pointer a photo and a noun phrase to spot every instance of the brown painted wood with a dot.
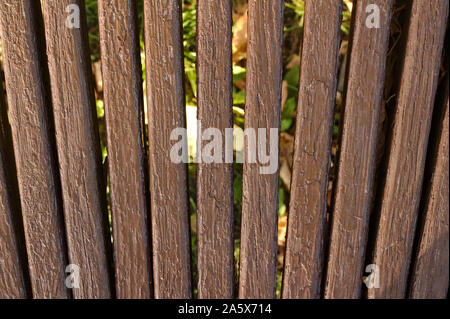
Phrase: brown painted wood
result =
(401, 194)
(122, 90)
(215, 180)
(364, 97)
(314, 129)
(430, 275)
(36, 169)
(262, 110)
(168, 180)
(12, 284)
(78, 148)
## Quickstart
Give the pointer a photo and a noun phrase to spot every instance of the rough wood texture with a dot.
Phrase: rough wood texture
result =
(168, 180)
(122, 89)
(36, 170)
(78, 148)
(262, 110)
(364, 97)
(401, 194)
(431, 268)
(314, 129)
(215, 181)
(12, 284)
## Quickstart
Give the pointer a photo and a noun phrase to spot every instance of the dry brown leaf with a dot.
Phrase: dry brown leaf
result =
(284, 93)
(282, 224)
(239, 45)
(285, 174)
(295, 61)
(97, 71)
(287, 148)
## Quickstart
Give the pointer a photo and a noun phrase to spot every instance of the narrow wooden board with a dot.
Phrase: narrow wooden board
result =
(314, 130)
(78, 148)
(430, 275)
(260, 191)
(168, 180)
(364, 98)
(12, 284)
(36, 166)
(408, 148)
(122, 90)
(215, 180)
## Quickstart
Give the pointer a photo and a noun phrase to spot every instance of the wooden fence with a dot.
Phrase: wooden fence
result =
(53, 188)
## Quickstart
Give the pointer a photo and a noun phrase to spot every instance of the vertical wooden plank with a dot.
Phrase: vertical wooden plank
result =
(36, 170)
(168, 180)
(363, 103)
(78, 148)
(259, 190)
(122, 90)
(314, 129)
(401, 193)
(215, 180)
(430, 275)
(12, 284)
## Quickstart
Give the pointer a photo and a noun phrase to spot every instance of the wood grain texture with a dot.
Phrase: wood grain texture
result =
(12, 284)
(215, 180)
(122, 90)
(402, 188)
(364, 97)
(168, 180)
(78, 148)
(262, 110)
(430, 275)
(36, 169)
(314, 129)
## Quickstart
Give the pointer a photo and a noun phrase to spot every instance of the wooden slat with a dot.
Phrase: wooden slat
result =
(430, 275)
(401, 194)
(36, 170)
(260, 191)
(215, 180)
(168, 180)
(363, 104)
(78, 148)
(314, 129)
(122, 89)
(12, 284)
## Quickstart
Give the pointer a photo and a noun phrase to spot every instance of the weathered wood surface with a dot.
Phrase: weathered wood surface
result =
(214, 180)
(168, 180)
(122, 90)
(430, 275)
(36, 165)
(314, 129)
(53, 121)
(12, 284)
(262, 110)
(78, 148)
(363, 102)
(402, 189)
